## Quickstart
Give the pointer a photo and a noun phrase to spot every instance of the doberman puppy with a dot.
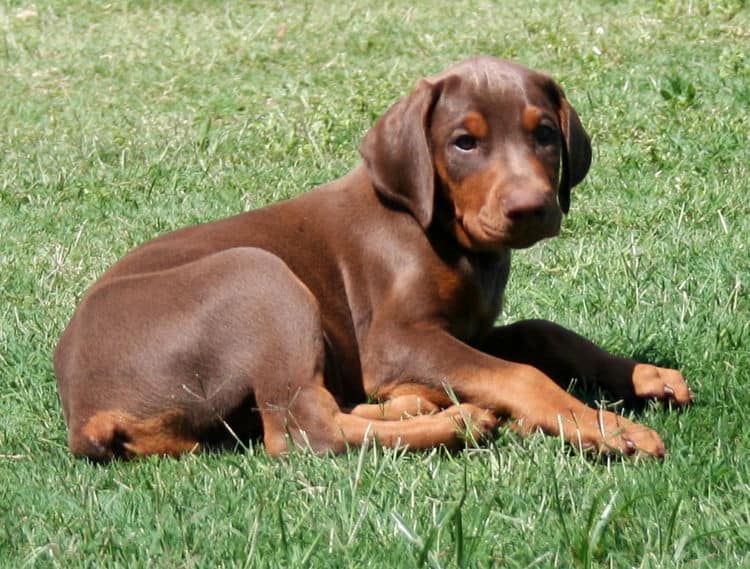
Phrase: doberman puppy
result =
(281, 322)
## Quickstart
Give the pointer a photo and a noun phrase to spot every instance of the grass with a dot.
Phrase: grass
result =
(122, 120)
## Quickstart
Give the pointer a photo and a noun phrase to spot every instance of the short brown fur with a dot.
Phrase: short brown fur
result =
(384, 284)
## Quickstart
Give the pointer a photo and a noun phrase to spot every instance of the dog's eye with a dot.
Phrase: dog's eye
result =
(465, 142)
(545, 135)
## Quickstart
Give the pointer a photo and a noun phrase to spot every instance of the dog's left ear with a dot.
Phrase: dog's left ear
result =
(397, 153)
(576, 151)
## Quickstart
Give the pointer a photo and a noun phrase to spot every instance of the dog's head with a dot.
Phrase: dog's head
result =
(499, 143)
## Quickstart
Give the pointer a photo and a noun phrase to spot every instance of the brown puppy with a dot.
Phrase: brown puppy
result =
(383, 284)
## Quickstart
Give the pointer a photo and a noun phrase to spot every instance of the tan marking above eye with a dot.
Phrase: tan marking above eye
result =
(530, 117)
(476, 125)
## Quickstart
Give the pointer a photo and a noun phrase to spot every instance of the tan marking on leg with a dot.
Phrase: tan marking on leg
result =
(661, 383)
(396, 408)
(449, 428)
(437, 396)
(116, 434)
(538, 403)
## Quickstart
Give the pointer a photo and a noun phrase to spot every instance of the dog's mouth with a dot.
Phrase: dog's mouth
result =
(484, 233)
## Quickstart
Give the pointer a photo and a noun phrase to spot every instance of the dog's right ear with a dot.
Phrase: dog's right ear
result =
(397, 152)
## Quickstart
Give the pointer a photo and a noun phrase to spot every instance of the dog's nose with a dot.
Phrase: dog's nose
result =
(525, 206)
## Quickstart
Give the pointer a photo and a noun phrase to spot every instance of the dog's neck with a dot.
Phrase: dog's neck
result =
(484, 272)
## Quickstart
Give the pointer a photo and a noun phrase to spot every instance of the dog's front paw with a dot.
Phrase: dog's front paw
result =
(609, 433)
(632, 438)
(660, 383)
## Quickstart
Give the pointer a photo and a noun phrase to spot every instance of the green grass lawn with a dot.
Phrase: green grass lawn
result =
(122, 120)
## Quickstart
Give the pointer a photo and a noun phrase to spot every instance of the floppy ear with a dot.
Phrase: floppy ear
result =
(397, 153)
(576, 152)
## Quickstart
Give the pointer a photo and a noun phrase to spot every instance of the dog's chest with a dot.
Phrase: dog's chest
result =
(484, 284)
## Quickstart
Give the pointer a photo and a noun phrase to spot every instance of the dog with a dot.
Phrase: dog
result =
(365, 308)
